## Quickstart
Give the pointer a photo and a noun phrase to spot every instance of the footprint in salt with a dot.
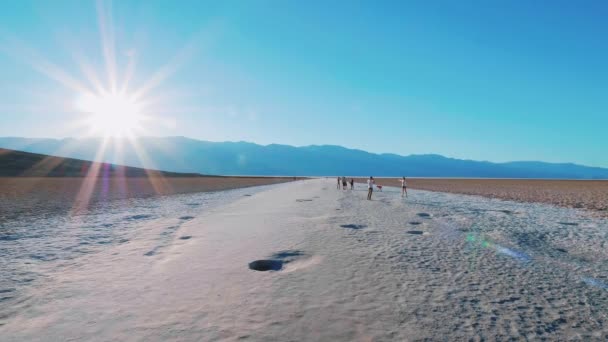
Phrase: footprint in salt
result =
(266, 265)
(285, 261)
(353, 226)
(137, 217)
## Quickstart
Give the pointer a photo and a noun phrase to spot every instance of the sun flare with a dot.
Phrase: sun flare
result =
(111, 115)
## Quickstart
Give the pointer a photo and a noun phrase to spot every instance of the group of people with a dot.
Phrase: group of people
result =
(344, 182)
(370, 185)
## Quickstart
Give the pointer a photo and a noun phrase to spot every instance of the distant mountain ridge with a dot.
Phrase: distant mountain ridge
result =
(180, 154)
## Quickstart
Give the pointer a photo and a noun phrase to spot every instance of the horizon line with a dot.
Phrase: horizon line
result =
(309, 145)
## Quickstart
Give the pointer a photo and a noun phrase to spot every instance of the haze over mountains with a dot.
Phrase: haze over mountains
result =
(179, 154)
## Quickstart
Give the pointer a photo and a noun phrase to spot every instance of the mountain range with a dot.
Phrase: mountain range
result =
(180, 154)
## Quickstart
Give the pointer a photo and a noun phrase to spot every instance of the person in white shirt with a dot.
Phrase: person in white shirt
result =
(370, 187)
(403, 187)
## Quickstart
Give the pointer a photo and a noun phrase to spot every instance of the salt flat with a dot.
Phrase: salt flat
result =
(582, 194)
(434, 266)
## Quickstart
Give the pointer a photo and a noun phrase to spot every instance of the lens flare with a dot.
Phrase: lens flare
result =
(476, 240)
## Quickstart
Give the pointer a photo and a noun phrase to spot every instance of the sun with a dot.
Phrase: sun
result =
(111, 115)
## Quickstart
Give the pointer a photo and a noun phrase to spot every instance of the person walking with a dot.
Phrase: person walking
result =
(403, 187)
(338, 187)
(343, 183)
(352, 183)
(370, 187)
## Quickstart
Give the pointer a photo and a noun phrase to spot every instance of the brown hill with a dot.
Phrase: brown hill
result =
(24, 164)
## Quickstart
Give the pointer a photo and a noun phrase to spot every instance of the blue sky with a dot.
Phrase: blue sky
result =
(484, 80)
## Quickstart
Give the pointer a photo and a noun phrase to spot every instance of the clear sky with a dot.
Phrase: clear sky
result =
(485, 80)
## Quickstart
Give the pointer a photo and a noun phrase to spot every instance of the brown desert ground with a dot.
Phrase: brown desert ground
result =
(585, 194)
(23, 195)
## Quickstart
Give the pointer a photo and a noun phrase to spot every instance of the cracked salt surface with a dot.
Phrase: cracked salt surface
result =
(33, 248)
